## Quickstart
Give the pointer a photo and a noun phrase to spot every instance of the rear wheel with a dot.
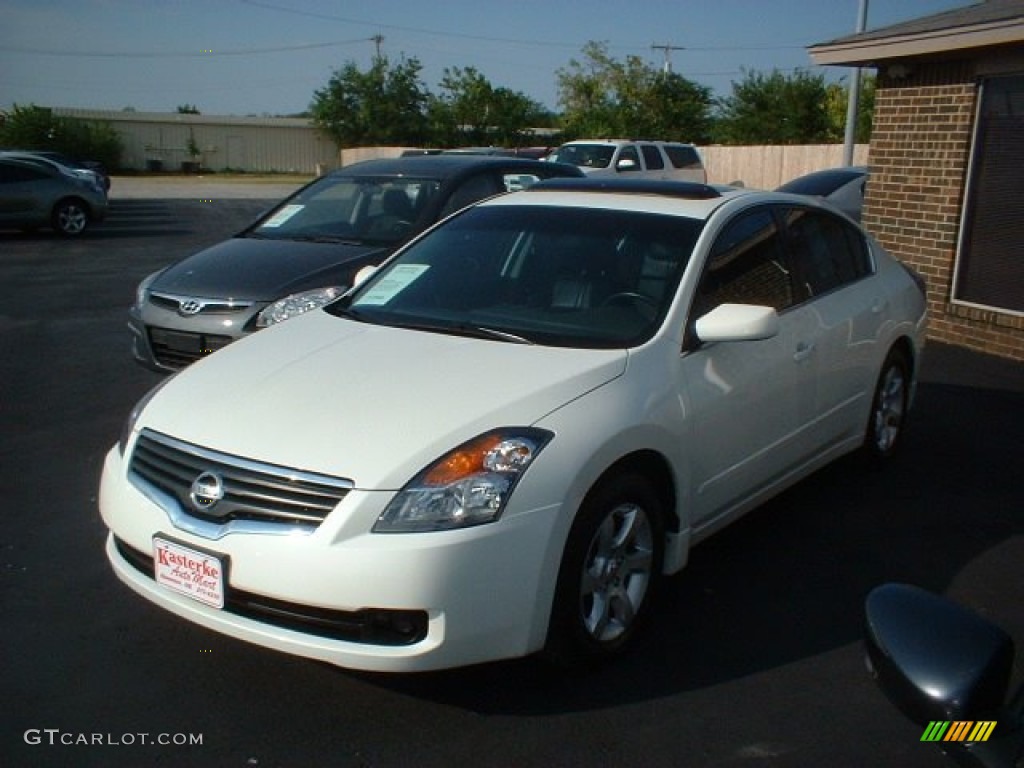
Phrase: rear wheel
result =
(889, 407)
(70, 217)
(610, 566)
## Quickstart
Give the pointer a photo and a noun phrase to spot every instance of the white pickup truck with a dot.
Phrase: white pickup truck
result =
(647, 159)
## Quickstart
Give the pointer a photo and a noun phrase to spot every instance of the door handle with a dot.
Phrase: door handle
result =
(803, 351)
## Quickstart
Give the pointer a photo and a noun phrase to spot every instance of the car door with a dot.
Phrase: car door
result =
(845, 309)
(654, 162)
(19, 190)
(745, 399)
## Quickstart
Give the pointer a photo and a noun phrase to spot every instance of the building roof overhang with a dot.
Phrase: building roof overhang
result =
(995, 23)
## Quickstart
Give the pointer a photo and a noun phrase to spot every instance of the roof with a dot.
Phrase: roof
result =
(183, 118)
(444, 166)
(981, 25)
(670, 198)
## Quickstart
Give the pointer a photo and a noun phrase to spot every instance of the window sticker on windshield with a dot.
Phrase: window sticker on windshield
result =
(397, 280)
(282, 216)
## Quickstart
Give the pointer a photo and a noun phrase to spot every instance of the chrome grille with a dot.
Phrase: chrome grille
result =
(198, 305)
(257, 497)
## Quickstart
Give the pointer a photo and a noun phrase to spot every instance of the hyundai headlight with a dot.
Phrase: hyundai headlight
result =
(469, 485)
(142, 291)
(296, 304)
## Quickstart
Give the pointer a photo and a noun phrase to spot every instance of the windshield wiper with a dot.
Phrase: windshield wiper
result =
(492, 333)
(458, 329)
(349, 314)
(340, 239)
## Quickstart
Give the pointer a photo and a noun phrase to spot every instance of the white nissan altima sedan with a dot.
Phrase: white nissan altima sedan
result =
(499, 442)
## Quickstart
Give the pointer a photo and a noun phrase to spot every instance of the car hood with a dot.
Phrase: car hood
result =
(255, 269)
(368, 403)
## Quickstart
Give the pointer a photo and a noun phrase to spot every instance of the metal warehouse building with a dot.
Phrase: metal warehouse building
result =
(156, 140)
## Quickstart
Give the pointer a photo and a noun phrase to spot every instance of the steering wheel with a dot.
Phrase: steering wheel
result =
(644, 304)
(632, 297)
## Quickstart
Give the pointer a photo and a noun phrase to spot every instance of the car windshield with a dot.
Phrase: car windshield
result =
(574, 277)
(375, 211)
(584, 155)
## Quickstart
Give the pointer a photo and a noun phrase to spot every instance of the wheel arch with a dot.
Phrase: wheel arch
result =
(654, 467)
(906, 346)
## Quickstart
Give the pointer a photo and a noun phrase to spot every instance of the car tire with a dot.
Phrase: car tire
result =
(70, 217)
(610, 568)
(888, 408)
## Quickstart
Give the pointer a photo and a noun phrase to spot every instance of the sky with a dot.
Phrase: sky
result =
(269, 57)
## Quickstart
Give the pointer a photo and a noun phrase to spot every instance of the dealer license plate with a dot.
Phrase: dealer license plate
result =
(192, 573)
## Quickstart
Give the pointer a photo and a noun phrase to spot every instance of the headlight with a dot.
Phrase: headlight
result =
(467, 486)
(133, 416)
(142, 292)
(296, 304)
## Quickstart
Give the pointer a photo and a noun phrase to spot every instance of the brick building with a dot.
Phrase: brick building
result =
(946, 191)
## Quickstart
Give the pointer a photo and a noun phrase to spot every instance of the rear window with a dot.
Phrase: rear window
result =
(821, 183)
(683, 156)
(829, 253)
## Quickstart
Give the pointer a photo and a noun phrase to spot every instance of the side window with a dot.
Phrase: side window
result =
(828, 252)
(746, 266)
(10, 174)
(629, 153)
(472, 189)
(652, 157)
(682, 156)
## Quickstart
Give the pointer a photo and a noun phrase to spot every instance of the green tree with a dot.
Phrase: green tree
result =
(511, 114)
(602, 96)
(470, 110)
(775, 109)
(836, 105)
(188, 109)
(386, 104)
(35, 127)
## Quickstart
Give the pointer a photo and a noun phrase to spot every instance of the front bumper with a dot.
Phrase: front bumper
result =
(478, 593)
(165, 342)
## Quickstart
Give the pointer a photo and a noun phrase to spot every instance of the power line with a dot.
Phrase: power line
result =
(512, 41)
(202, 53)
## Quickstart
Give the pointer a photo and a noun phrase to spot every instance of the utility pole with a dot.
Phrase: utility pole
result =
(377, 40)
(667, 67)
(854, 96)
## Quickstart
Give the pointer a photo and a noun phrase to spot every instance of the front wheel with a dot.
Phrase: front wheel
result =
(889, 407)
(70, 217)
(610, 566)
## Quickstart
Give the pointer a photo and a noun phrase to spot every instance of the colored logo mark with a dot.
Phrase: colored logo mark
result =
(958, 730)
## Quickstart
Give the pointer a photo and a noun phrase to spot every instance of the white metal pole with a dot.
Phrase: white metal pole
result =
(854, 95)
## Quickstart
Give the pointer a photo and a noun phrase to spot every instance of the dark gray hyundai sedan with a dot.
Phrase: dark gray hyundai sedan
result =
(306, 251)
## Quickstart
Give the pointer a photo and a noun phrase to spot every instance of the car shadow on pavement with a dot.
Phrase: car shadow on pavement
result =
(788, 582)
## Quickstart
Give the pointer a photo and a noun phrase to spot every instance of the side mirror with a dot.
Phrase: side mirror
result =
(934, 659)
(737, 322)
(627, 164)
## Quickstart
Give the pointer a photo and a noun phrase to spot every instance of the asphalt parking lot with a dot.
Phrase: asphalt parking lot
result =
(754, 658)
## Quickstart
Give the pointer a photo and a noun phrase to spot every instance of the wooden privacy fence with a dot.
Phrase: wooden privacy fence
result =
(766, 167)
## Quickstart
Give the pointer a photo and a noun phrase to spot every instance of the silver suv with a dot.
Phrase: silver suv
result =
(650, 159)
